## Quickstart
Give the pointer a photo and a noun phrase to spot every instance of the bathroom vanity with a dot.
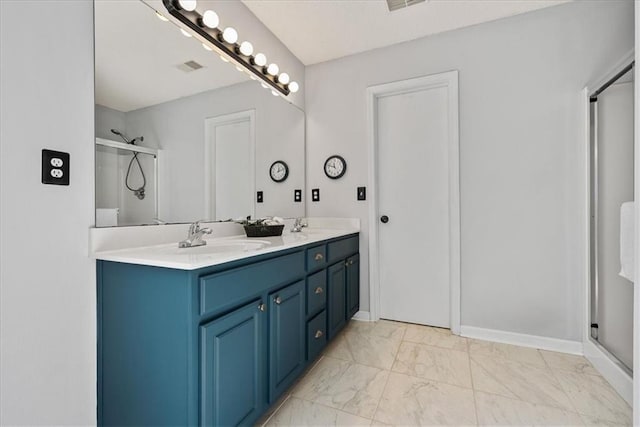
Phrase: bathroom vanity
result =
(215, 338)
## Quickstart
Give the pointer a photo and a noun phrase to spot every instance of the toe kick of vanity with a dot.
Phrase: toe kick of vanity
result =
(218, 345)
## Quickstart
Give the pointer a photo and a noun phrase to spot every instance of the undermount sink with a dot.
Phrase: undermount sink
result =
(224, 246)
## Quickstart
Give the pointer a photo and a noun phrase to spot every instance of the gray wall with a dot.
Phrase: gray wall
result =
(47, 280)
(520, 132)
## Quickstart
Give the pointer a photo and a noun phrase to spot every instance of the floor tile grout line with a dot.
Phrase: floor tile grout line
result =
(573, 405)
(473, 388)
(330, 407)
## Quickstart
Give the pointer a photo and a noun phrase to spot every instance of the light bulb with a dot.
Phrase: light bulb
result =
(273, 69)
(230, 35)
(293, 87)
(224, 59)
(260, 60)
(246, 48)
(239, 68)
(252, 77)
(161, 17)
(264, 85)
(275, 93)
(283, 78)
(207, 47)
(210, 19)
(184, 32)
(189, 5)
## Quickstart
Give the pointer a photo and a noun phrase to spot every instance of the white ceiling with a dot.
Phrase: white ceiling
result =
(137, 55)
(321, 30)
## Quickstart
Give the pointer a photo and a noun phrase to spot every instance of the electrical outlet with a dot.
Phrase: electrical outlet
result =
(260, 197)
(55, 167)
(362, 193)
(297, 195)
(315, 195)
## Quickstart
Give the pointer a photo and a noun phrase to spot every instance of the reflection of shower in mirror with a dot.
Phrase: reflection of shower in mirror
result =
(138, 192)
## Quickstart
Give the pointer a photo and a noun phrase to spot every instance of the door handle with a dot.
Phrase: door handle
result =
(384, 219)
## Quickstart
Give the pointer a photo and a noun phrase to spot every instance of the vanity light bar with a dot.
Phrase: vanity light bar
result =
(228, 44)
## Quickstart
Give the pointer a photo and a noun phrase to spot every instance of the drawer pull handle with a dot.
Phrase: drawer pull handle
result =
(318, 334)
(319, 290)
(277, 300)
(319, 257)
(262, 307)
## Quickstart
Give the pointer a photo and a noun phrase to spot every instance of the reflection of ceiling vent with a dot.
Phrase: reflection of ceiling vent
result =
(189, 66)
(399, 4)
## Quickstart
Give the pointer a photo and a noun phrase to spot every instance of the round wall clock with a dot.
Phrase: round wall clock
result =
(335, 167)
(279, 171)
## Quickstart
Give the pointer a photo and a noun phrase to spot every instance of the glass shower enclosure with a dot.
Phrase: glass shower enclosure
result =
(611, 185)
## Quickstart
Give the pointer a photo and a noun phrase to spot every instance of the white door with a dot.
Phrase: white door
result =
(229, 166)
(414, 223)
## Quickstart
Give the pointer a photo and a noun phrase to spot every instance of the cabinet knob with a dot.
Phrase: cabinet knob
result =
(277, 300)
(262, 307)
(318, 334)
(319, 257)
(351, 262)
(319, 290)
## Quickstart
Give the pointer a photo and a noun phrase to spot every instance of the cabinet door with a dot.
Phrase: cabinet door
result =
(287, 329)
(353, 285)
(233, 368)
(336, 293)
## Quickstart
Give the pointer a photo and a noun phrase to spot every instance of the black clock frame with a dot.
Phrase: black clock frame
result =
(344, 169)
(286, 171)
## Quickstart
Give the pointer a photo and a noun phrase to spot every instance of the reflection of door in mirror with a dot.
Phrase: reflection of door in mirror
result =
(229, 166)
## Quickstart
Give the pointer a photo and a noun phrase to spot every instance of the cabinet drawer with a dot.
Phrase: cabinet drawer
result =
(316, 257)
(316, 335)
(227, 289)
(342, 248)
(316, 292)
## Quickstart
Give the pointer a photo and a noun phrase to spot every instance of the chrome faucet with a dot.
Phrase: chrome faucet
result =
(195, 236)
(298, 226)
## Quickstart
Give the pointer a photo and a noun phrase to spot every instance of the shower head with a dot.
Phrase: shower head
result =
(124, 138)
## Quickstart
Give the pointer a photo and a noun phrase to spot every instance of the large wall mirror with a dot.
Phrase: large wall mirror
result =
(180, 134)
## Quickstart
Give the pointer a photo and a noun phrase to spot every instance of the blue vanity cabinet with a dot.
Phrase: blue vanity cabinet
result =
(336, 296)
(217, 345)
(352, 266)
(287, 331)
(233, 367)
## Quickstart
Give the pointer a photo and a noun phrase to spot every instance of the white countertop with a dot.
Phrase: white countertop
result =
(218, 250)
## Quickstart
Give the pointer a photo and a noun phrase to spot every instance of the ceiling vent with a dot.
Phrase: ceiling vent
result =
(189, 66)
(400, 4)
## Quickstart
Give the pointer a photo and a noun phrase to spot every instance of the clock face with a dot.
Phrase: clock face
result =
(335, 167)
(279, 171)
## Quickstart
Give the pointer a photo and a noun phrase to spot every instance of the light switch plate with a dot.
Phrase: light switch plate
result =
(297, 195)
(259, 197)
(362, 193)
(315, 195)
(55, 167)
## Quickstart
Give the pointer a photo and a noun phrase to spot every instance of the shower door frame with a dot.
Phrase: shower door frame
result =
(137, 149)
(618, 375)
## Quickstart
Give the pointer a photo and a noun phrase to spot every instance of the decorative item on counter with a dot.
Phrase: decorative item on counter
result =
(264, 227)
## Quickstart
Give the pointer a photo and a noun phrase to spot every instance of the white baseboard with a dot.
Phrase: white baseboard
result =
(524, 340)
(363, 316)
(614, 374)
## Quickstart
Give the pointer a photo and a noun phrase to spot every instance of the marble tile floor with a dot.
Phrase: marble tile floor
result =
(391, 373)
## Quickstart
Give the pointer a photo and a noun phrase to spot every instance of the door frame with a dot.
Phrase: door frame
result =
(448, 80)
(210, 123)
